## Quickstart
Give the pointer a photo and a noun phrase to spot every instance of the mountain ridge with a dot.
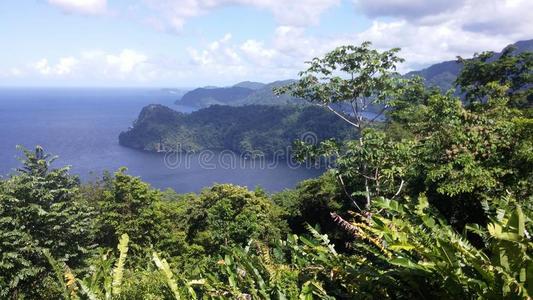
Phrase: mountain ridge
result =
(443, 74)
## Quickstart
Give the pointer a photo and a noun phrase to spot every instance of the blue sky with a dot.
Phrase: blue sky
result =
(187, 43)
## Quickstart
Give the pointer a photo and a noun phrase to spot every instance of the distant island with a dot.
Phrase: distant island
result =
(252, 128)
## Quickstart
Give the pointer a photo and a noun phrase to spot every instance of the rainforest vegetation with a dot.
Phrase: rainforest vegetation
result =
(253, 129)
(435, 202)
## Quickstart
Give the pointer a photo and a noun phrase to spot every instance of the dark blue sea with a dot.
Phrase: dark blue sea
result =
(81, 126)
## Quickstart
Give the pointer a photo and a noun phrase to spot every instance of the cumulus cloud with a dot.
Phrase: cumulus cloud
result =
(280, 58)
(425, 45)
(432, 34)
(426, 33)
(125, 65)
(126, 61)
(92, 7)
(509, 17)
(294, 13)
(215, 52)
(489, 16)
(64, 66)
(257, 52)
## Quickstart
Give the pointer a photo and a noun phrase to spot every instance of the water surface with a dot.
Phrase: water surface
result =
(81, 126)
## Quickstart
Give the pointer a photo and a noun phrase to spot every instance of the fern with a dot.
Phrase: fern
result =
(322, 238)
(167, 272)
(118, 271)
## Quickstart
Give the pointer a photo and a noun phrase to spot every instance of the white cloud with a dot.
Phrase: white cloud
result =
(426, 34)
(92, 7)
(215, 53)
(42, 66)
(281, 58)
(93, 65)
(64, 66)
(294, 13)
(430, 34)
(126, 61)
(256, 52)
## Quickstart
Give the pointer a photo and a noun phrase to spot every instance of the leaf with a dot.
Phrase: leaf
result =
(406, 263)
(87, 291)
(164, 267)
(118, 271)
(401, 247)
(494, 229)
(517, 221)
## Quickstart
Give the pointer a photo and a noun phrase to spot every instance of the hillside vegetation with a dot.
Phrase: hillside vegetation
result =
(261, 129)
(435, 202)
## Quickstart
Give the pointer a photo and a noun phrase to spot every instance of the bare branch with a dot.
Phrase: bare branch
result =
(399, 189)
(348, 194)
(342, 117)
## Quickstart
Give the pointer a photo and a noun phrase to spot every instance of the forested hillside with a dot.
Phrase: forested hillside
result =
(260, 129)
(435, 202)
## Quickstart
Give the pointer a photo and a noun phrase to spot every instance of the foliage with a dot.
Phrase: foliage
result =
(360, 76)
(435, 202)
(130, 206)
(40, 210)
(253, 130)
(515, 71)
(415, 246)
(228, 215)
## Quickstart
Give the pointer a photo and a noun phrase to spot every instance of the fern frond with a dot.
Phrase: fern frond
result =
(163, 266)
(118, 271)
(87, 291)
(322, 238)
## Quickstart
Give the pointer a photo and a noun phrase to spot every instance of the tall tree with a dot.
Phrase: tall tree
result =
(40, 210)
(351, 81)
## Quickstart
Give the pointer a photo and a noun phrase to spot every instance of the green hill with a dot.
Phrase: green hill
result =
(443, 74)
(250, 128)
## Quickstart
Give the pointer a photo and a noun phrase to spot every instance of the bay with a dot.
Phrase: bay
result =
(81, 126)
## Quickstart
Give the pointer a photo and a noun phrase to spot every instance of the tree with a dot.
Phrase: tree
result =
(466, 153)
(356, 77)
(515, 71)
(131, 207)
(40, 210)
(228, 215)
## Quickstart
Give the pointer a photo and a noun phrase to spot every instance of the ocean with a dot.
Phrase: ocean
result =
(81, 126)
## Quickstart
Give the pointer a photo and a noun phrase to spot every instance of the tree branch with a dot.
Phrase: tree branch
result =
(348, 194)
(342, 117)
(399, 189)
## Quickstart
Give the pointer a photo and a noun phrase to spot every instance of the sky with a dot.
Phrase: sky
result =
(189, 43)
